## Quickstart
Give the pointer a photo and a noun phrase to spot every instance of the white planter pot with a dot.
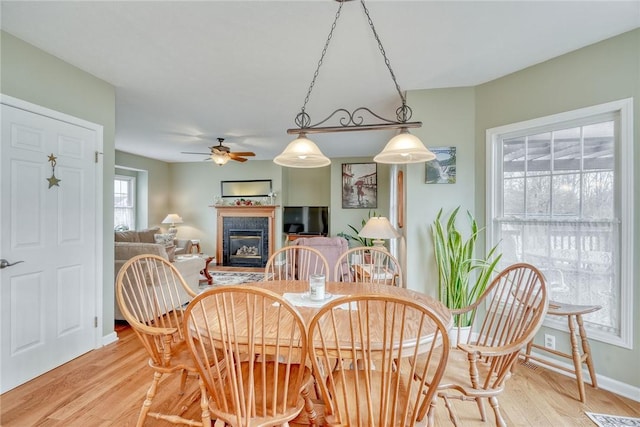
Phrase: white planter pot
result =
(457, 335)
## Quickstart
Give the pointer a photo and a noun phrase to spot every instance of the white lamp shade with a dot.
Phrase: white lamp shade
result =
(302, 153)
(220, 159)
(379, 227)
(404, 148)
(172, 219)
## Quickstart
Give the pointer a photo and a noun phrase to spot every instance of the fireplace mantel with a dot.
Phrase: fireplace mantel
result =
(254, 211)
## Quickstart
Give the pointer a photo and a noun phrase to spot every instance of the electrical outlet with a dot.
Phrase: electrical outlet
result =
(550, 341)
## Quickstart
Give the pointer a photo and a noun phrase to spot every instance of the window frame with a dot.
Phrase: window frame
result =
(624, 199)
(132, 182)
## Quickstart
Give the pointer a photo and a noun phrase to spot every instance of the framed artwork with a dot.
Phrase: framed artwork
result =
(359, 185)
(250, 188)
(442, 169)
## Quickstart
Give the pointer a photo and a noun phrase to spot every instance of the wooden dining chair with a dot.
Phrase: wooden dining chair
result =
(504, 319)
(296, 262)
(250, 347)
(363, 351)
(367, 264)
(151, 295)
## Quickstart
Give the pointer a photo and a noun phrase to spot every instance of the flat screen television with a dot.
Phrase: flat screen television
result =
(312, 220)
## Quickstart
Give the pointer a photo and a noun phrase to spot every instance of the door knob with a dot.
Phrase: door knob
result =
(4, 263)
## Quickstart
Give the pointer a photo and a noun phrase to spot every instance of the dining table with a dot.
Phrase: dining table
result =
(296, 292)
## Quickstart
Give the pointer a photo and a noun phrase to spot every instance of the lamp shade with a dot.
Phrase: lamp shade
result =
(404, 148)
(220, 159)
(302, 153)
(172, 219)
(379, 227)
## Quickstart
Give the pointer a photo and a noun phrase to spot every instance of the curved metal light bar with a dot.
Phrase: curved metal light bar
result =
(403, 148)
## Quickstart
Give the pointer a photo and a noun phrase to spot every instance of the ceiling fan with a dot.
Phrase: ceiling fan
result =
(221, 154)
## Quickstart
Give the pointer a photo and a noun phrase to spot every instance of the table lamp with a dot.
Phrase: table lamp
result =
(173, 219)
(379, 229)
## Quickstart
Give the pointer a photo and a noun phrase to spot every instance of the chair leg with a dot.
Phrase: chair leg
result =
(493, 401)
(483, 413)
(452, 414)
(586, 350)
(204, 404)
(183, 381)
(308, 406)
(431, 415)
(577, 358)
(151, 393)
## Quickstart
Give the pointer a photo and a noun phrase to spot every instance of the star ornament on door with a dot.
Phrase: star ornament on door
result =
(53, 180)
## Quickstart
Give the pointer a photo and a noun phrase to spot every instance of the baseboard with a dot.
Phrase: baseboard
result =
(109, 338)
(605, 383)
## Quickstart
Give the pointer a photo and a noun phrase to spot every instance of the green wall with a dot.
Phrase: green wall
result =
(153, 190)
(603, 72)
(30, 74)
(447, 117)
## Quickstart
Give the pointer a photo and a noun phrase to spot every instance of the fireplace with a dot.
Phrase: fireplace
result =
(245, 248)
(245, 235)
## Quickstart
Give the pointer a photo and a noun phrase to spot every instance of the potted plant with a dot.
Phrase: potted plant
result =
(462, 277)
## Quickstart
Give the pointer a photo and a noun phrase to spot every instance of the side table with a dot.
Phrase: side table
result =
(205, 271)
(195, 245)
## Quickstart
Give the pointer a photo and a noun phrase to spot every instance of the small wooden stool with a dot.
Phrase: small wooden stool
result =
(195, 245)
(574, 316)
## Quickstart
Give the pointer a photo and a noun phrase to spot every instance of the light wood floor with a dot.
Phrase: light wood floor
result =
(106, 387)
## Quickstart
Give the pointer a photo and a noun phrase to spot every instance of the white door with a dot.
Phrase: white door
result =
(48, 307)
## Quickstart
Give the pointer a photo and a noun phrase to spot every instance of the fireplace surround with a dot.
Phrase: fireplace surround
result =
(245, 235)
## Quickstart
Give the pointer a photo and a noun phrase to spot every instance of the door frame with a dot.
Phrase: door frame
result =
(99, 134)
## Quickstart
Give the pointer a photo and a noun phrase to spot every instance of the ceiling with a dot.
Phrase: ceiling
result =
(188, 72)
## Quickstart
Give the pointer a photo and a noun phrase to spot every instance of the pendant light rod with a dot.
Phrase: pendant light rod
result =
(402, 148)
(353, 128)
(353, 122)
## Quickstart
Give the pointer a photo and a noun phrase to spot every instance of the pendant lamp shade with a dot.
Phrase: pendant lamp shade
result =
(302, 153)
(404, 148)
(220, 159)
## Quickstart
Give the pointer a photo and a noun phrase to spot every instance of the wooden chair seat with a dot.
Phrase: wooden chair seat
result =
(369, 379)
(149, 293)
(263, 377)
(573, 313)
(514, 306)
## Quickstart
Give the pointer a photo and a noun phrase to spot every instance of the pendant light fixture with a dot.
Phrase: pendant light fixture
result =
(402, 148)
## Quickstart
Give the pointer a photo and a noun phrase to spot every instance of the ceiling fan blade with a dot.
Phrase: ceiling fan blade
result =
(243, 153)
(192, 152)
(238, 159)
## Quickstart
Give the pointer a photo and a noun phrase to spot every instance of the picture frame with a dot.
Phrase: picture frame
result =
(359, 185)
(442, 169)
(247, 188)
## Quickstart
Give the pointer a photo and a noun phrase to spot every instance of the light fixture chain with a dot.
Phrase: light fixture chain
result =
(386, 60)
(324, 51)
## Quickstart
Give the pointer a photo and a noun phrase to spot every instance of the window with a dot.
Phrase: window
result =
(560, 198)
(124, 197)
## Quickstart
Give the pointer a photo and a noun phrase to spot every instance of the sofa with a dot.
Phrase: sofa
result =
(131, 243)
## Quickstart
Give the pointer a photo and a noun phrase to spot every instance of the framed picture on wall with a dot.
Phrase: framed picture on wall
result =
(359, 185)
(442, 169)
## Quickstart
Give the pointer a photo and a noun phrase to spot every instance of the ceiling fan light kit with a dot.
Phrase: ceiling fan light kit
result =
(402, 148)
(221, 154)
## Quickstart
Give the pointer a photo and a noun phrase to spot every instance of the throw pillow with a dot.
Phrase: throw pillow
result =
(164, 239)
